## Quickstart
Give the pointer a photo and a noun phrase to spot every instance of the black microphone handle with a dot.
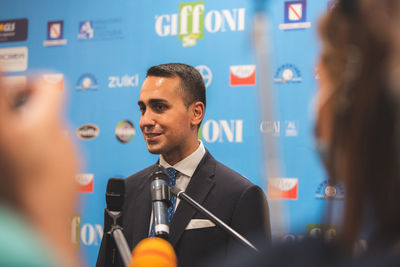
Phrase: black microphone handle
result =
(119, 238)
(183, 196)
(122, 245)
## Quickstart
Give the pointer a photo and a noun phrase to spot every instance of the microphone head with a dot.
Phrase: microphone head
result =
(115, 194)
(154, 252)
(158, 172)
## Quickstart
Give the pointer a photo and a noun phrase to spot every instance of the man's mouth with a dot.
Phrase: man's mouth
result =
(152, 136)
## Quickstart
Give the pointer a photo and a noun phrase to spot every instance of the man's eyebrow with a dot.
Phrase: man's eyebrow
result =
(153, 101)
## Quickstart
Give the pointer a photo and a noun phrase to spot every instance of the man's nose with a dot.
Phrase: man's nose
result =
(146, 120)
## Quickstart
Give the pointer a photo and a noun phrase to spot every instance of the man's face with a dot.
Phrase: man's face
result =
(165, 121)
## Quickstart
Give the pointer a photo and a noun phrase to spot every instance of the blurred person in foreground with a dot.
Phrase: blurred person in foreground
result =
(357, 135)
(37, 169)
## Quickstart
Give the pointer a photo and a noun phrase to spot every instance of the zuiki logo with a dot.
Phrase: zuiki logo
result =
(124, 81)
(14, 59)
(125, 131)
(205, 73)
(328, 232)
(87, 81)
(55, 34)
(327, 191)
(221, 131)
(192, 21)
(242, 75)
(85, 181)
(85, 30)
(88, 131)
(13, 30)
(288, 127)
(87, 234)
(295, 15)
(287, 73)
(283, 188)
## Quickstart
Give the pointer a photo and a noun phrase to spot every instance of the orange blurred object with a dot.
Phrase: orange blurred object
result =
(154, 252)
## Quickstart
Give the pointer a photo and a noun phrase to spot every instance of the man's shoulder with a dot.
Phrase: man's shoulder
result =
(139, 176)
(223, 173)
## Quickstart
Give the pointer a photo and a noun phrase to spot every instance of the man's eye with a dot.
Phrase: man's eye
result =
(142, 110)
(160, 107)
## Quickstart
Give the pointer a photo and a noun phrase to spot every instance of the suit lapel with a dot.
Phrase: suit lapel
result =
(141, 213)
(198, 188)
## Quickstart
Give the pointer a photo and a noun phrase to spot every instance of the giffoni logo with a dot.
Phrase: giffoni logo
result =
(192, 20)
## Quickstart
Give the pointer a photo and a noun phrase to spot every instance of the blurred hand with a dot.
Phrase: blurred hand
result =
(40, 158)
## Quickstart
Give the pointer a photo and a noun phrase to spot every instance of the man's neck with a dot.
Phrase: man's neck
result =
(176, 156)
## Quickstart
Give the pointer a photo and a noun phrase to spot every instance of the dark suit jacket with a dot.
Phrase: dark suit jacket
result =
(227, 194)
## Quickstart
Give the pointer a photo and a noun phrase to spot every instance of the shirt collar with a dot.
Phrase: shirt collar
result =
(188, 165)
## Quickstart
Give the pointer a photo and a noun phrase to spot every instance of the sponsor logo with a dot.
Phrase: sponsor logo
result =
(75, 231)
(291, 238)
(14, 59)
(124, 81)
(55, 34)
(192, 21)
(85, 181)
(98, 30)
(88, 131)
(295, 16)
(55, 80)
(283, 188)
(87, 234)
(271, 127)
(205, 73)
(321, 230)
(287, 73)
(87, 81)
(242, 75)
(327, 191)
(316, 74)
(85, 30)
(221, 131)
(290, 128)
(91, 234)
(125, 131)
(13, 30)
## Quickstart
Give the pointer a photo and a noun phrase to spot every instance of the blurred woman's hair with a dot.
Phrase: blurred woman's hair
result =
(357, 52)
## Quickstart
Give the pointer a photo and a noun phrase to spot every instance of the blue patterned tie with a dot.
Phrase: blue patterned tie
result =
(171, 173)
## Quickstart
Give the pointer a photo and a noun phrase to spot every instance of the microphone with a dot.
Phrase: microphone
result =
(115, 195)
(154, 252)
(161, 200)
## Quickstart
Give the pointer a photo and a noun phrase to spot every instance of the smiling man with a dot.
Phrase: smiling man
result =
(172, 103)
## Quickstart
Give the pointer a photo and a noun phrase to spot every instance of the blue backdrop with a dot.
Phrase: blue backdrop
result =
(101, 51)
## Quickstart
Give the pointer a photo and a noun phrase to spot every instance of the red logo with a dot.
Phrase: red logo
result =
(283, 188)
(242, 75)
(55, 80)
(85, 181)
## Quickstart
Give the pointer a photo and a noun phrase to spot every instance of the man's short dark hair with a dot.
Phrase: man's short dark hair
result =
(191, 85)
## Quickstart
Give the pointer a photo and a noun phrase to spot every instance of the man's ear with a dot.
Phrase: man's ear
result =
(197, 113)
